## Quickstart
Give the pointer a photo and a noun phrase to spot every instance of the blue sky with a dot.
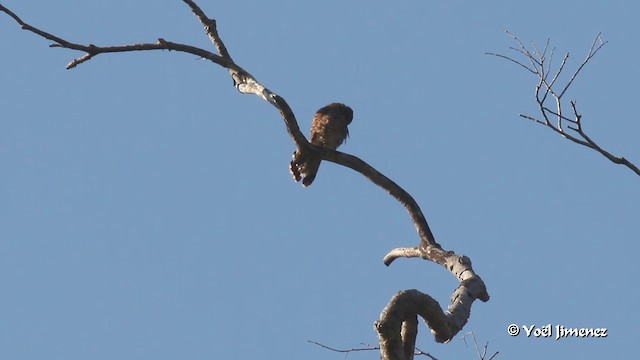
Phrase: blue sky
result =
(146, 210)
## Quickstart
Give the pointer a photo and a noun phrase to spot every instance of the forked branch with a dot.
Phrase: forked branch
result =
(549, 95)
(443, 325)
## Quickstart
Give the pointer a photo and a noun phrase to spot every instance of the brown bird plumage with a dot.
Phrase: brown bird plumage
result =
(328, 130)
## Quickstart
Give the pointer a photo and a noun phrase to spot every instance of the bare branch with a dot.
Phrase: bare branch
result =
(412, 302)
(543, 89)
(512, 60)
(558, 114)
(401, 252)
(523, 50)
(592, 52)
(211, 28)
(420, 352)
(93, 50)
(355, 163)
(549, 87)
(481, 355)
(368, 348)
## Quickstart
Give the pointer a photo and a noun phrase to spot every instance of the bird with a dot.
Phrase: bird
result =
(328, 130)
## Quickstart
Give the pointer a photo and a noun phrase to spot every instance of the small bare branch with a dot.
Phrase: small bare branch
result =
(524, 51)
(512, 60)
(481, 355)
(549, 87)
(592, 52)
(401, 252)
(93, 50)
(368, 348)
(211, 29)
(555, 113)
(544, 91)
(420, 352)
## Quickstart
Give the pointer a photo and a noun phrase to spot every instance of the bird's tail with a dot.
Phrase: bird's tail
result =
(304, 166)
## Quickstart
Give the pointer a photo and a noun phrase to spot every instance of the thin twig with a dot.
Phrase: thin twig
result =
(368, 348)
(512, 60)
(211, 28)
(481, 355)
(592, 52)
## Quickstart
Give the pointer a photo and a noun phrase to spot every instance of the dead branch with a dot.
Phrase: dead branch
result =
(549, 94)
(481, 355)
(369, 348)
(405, 306)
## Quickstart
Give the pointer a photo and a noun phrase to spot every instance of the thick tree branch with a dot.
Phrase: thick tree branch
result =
(396, 327)
(355, 163)
(549, 91)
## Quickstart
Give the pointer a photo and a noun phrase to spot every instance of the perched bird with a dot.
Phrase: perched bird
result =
(328, 130)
